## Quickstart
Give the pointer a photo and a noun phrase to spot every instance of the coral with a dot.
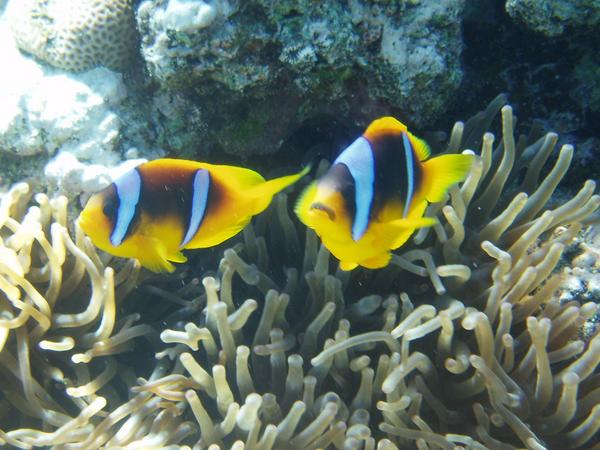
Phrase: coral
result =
(66, 174)
(43, 111)
(462, 343)
(76, 35)
(236, 60)
(552, 17)
(582, 274)
(75, 118)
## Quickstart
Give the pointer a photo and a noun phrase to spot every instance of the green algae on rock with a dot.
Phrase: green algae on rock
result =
(553, 17)
(299, 59)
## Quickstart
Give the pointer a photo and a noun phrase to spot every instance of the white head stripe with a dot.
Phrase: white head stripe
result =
(128, 188)
(358, 158)
(410, 171)
(199, 201)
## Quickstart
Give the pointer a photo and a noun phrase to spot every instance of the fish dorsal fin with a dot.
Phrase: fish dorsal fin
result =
(420, 147)
(442, 172)
(383, 126)
(391, 126)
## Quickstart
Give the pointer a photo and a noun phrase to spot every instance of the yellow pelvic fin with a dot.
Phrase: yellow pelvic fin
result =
(153, 256)
(420, 147)
(348, 265)
(304, 201)
(404, 224)
(377, 262)
(442, 172)
(264, 192)
(177, 257)
(403, 228)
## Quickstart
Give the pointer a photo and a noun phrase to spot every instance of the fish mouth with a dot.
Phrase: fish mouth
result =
(326, 209)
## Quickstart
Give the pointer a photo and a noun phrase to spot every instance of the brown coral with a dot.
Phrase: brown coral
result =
(75, 35)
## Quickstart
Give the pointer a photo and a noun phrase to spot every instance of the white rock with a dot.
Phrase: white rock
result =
(45, 110)
(187, 15)
(67, 174)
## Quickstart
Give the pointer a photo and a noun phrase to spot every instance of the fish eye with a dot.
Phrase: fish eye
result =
(326, 209)
(110, 208)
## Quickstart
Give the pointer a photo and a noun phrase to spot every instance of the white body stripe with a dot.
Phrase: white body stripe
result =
(358, 158)
(128, 188)
(199, 201)
(410, 172)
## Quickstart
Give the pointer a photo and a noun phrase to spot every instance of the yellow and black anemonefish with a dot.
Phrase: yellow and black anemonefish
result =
(374, 195)
(161, 207)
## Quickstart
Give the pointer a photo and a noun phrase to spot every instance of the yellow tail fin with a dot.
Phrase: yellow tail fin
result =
(442, 172)
(264, 192)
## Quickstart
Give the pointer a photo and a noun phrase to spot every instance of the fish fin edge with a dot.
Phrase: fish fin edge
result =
(200, 240)
(302, 204)
(406, 227)
(420, 147)
(347, 266)
(156, 258)
(377, 262)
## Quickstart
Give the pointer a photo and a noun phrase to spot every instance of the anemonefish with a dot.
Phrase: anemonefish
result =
(161, 207)
(374, 195)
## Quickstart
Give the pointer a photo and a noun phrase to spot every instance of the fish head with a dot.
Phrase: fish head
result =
(98, 217)
(328, 212)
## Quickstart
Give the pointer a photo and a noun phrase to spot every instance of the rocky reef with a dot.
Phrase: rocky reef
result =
(554, 17)
(463, 342)
(258, 69)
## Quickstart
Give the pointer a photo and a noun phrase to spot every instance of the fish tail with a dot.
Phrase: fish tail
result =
(264, 192)
(442, 172)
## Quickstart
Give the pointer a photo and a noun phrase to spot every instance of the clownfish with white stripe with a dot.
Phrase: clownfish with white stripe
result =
(374, 195)
(162, 207)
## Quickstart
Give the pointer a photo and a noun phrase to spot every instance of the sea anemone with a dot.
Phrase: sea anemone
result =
(460, 343)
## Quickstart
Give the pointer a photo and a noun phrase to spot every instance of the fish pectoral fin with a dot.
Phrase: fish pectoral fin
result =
(305, 199)
(403, 228)
(377, 262)
(205, 240)
(177, 257)
(406, 224)
(348, 265)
